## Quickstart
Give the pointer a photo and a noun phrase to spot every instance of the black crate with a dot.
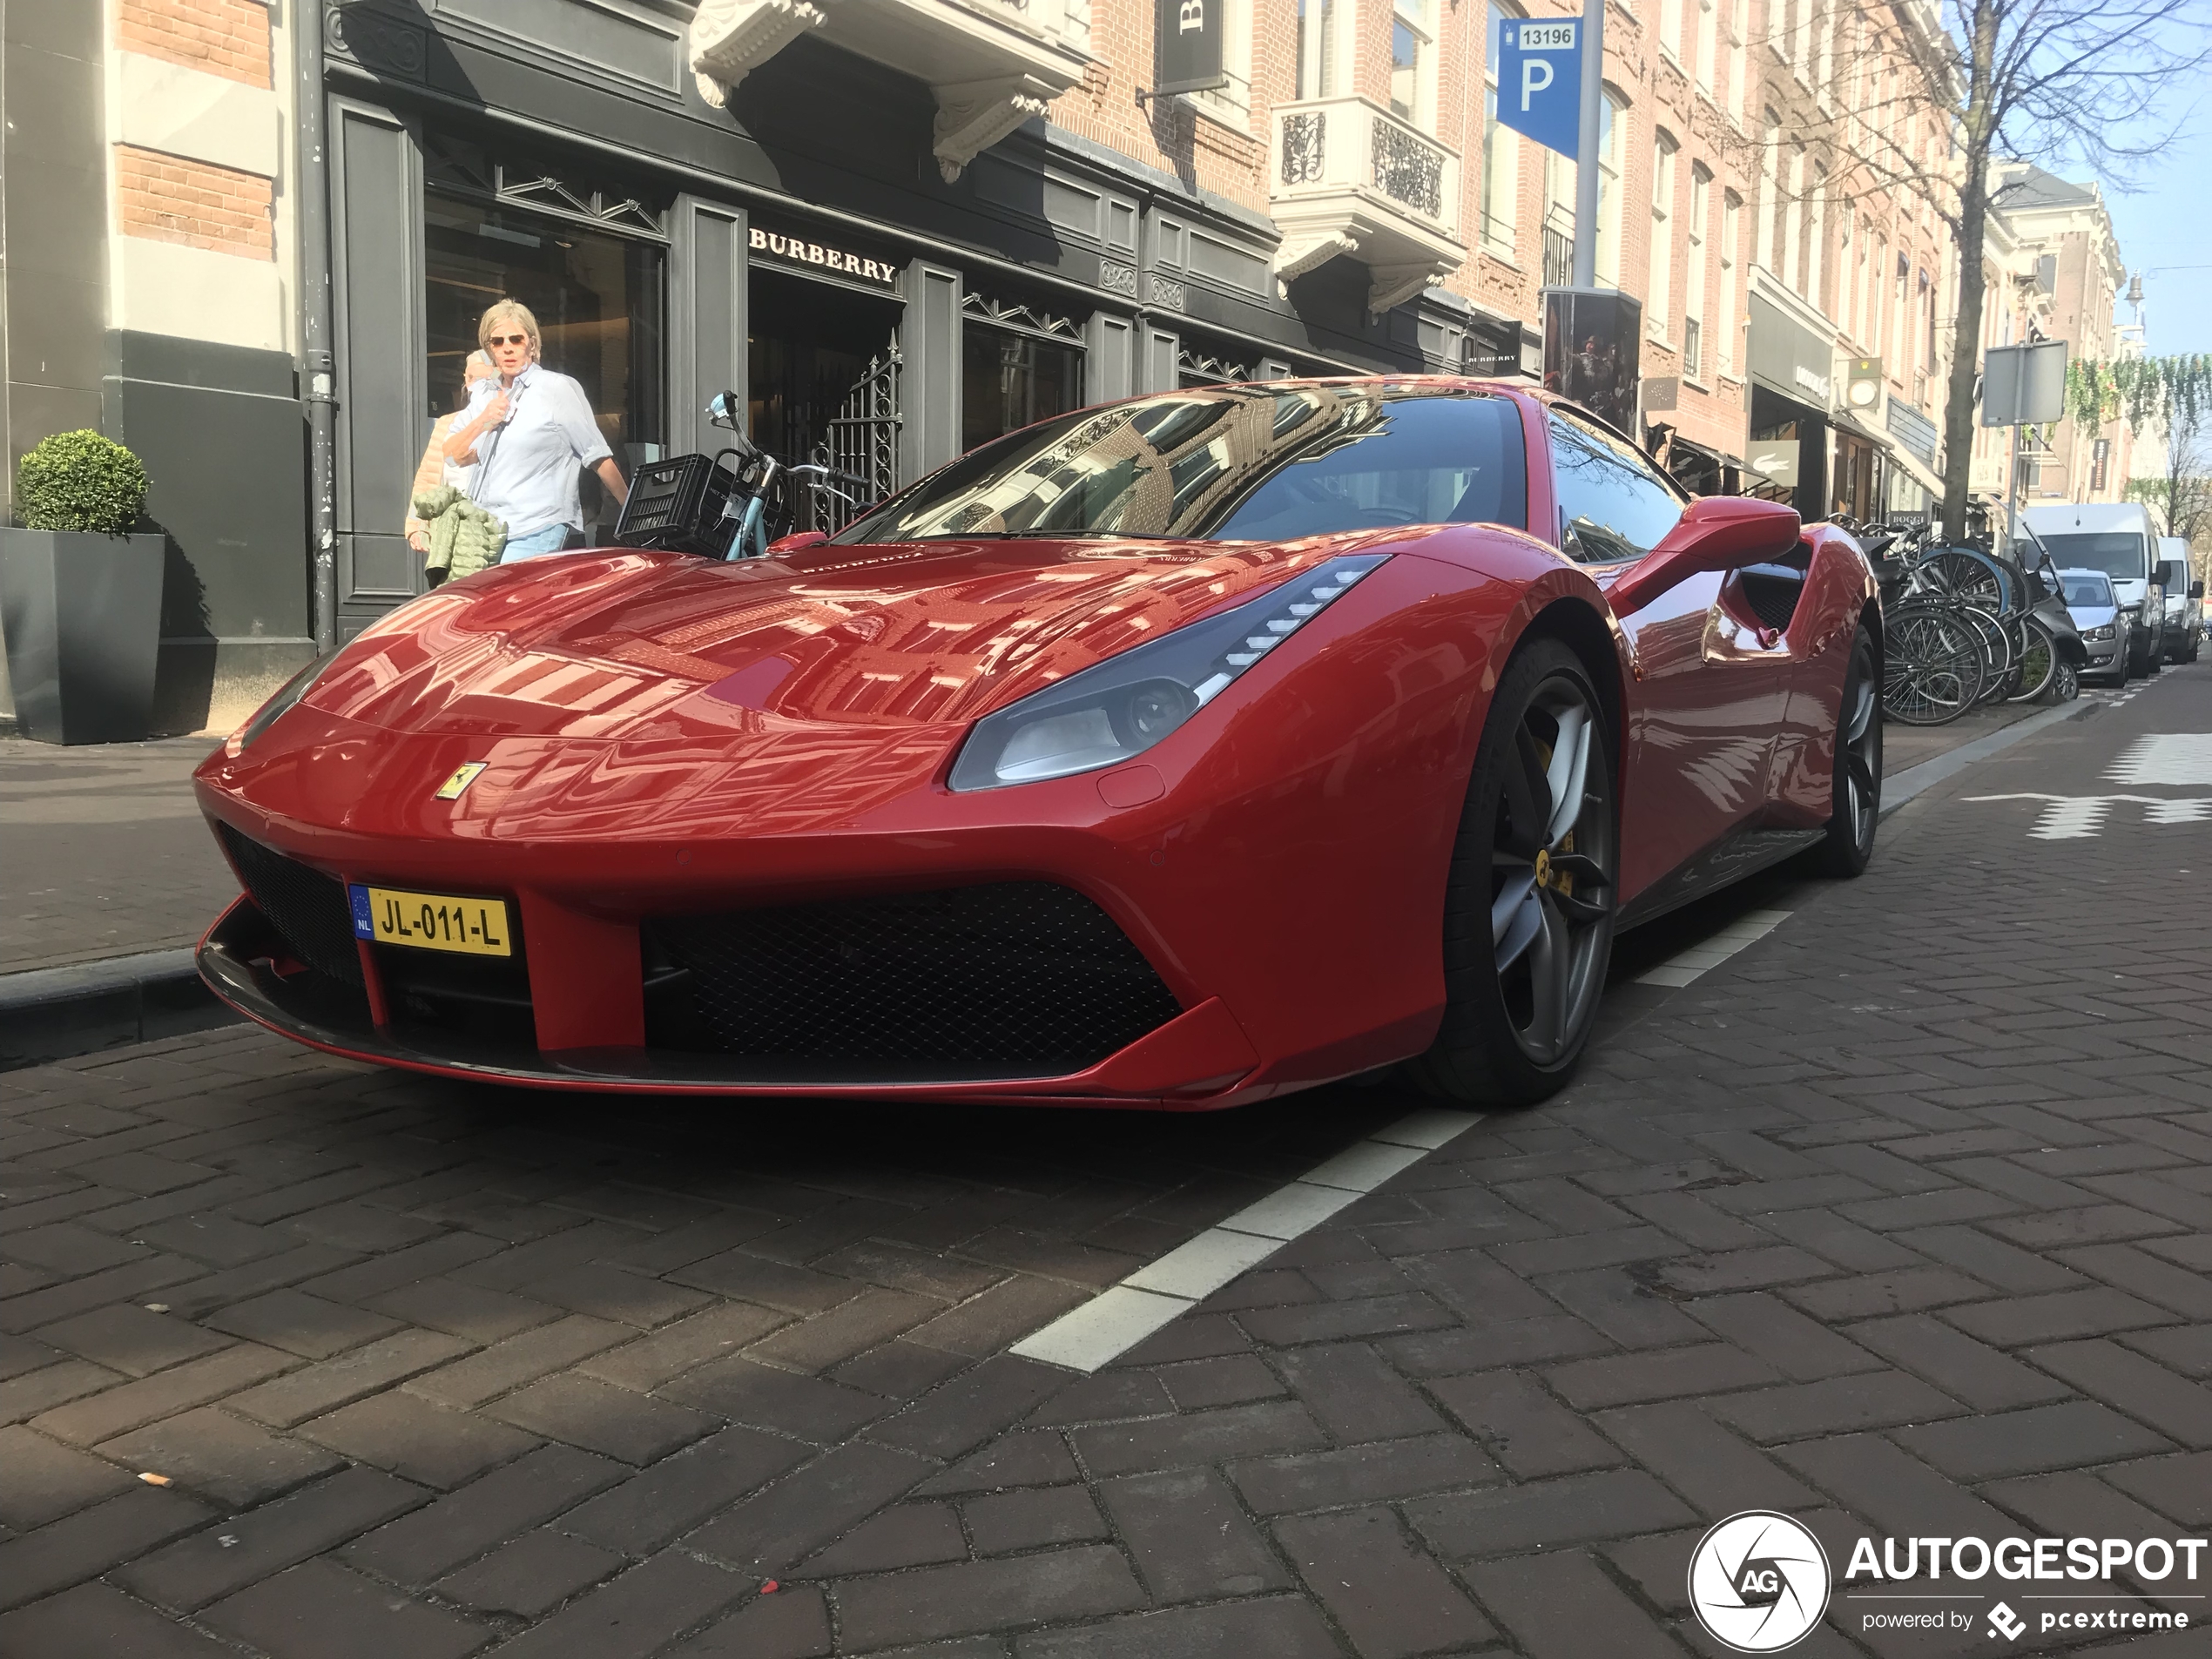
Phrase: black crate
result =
(677, 504)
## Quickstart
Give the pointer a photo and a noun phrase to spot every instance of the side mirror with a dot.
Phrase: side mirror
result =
(797, 540)
(1714, 533)
(2196, 589)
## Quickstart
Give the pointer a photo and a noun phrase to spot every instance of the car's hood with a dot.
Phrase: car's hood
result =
(628, 644)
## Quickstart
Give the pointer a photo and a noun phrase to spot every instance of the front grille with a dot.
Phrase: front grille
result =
(307, 909)
(1026, 975)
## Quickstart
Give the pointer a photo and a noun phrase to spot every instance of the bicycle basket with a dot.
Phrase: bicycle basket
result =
(676, 505)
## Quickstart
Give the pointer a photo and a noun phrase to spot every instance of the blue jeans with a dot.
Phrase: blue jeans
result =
(553, 538)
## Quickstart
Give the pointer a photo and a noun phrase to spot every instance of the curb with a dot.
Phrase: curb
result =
(1914, 780)
(57, 1013)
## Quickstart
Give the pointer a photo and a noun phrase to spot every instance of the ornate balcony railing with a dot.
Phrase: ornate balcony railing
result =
(1350, 177)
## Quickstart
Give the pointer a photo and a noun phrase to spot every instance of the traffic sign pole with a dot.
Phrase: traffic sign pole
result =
(1586, 168)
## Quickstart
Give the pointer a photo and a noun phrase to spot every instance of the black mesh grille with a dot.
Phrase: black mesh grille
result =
(1773, 599)
(1018, 974)
(305, 907)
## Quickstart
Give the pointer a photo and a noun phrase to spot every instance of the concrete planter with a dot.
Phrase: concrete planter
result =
(82, 615)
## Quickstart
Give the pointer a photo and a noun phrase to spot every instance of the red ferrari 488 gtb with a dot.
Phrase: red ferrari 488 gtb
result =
(1177, 754)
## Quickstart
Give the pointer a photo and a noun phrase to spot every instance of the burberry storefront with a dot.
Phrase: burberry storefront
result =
(889, 264)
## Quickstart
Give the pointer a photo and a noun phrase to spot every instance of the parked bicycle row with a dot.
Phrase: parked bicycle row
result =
(2083, 592)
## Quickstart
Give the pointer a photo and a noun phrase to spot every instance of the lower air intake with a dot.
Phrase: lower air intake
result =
(1026, 976)
(307, 907)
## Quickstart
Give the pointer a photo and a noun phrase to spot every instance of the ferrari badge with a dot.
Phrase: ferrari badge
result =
(462, 777)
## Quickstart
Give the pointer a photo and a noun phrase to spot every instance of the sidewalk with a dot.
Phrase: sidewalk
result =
(103, 852)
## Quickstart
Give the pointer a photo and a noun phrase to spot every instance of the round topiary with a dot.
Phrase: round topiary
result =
(80, 480)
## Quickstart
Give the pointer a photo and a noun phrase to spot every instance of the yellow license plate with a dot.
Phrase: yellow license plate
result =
(432, 921)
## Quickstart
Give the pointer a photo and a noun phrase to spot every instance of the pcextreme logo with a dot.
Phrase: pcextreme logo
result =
(1759, 1582)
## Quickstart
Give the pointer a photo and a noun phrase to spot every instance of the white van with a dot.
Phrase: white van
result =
(2184, 600)
(2118, 538)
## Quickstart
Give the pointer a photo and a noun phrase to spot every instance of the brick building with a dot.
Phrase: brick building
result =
(2055, 274)
(896, 227)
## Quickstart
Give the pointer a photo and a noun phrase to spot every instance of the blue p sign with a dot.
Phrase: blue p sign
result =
(1539, 80)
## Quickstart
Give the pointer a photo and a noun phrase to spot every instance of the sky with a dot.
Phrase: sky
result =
(2164, 223)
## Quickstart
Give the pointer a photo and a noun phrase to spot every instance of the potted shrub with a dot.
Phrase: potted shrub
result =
(80, 595)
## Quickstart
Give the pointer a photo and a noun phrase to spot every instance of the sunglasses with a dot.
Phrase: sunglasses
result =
(509, 340)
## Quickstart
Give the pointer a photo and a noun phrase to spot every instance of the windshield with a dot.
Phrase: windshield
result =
(2119, 554)
(2089, 591)
(1231, 463)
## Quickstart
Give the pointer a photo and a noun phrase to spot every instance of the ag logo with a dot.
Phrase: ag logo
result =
(1759, 1582)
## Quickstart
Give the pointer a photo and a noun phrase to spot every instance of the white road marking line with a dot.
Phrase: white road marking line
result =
(2081, 818)
(1117, 1320)
(1711, 953)
(2179, 760)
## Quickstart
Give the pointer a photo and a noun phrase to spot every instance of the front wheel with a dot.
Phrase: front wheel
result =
(1857, 801)
(1529, 908)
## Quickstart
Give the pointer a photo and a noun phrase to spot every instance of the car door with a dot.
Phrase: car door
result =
(1714, 680)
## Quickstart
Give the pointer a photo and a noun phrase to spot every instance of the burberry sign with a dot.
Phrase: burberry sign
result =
(799, 251)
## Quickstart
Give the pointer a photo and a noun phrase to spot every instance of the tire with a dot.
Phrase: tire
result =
(1522, 977)
(1856, 804)
(2035, 661)
(1932, 671)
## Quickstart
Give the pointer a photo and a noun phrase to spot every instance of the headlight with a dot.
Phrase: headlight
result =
(1121, 707)
(290, 692)
(2104, 632)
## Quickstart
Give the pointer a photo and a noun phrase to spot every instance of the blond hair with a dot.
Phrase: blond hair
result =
(507, 311)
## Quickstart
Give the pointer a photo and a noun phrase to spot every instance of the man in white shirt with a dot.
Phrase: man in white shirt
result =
(530, 432)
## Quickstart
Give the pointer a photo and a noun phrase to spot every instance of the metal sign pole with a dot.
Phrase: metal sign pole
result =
(1586, 169)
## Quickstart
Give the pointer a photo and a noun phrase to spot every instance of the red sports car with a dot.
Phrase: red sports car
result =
(1177, 753)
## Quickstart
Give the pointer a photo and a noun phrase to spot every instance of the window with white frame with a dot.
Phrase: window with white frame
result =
(1412, 96)
(1817, 235)
(1769, 190)
(1670, 28)
(1317, 48)
(1792, 268)
(1739, 71)
(1731, 308)
(1232, 103)
(1781, 26)
(1658, 313)
(1558, 249)
(1499, 177)
(1613, 121)
(1692, 298)
(1708, 32)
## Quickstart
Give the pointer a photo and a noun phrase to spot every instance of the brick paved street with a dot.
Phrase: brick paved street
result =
(1900, 1221)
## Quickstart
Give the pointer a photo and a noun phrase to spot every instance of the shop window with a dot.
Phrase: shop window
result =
(1010, 380)
(597, 298)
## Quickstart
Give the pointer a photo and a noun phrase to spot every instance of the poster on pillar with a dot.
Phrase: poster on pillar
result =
(1593, 339)
(1539, 80)
(1188, 33)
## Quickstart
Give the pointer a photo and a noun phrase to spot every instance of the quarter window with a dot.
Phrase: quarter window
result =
(1613, 504)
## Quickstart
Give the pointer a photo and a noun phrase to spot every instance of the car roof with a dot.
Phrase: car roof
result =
(2090, 516)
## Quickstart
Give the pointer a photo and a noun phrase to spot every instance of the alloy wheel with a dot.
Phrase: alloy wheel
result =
(1552, 877)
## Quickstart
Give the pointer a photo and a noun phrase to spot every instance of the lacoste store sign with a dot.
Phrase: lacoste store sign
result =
(800, 250)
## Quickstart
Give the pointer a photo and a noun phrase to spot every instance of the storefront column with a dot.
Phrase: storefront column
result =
(376, 280)
(1110, 351)
(708, 288)
(930, 341)
(1161, 362)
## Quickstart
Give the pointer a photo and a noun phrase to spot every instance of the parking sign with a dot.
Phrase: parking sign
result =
(1539, 80)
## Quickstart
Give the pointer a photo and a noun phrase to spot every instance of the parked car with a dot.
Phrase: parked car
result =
(1180, 752)
(2120, 539)
(2184, 600)
(2095, 609)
